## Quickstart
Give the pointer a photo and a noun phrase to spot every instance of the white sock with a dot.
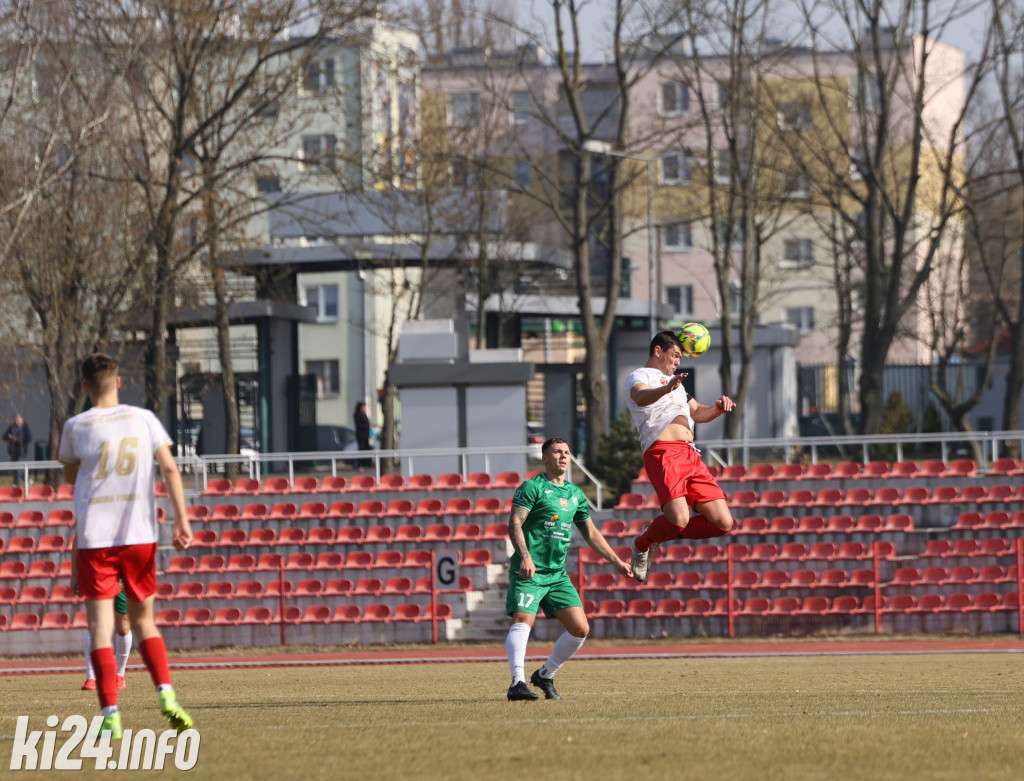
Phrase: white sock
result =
(109, 710)
(123, 649)
(565, 647)
(515, 646)
(90, 674)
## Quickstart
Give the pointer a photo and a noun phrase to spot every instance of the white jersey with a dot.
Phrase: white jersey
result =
(652, 420)
(115, 502)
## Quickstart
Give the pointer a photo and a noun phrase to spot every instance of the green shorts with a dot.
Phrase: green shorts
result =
(549, 590)
(121, 601)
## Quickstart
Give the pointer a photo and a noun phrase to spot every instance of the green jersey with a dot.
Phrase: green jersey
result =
(548, 527)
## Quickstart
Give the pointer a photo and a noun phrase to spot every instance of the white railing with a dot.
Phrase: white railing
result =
(989, 445)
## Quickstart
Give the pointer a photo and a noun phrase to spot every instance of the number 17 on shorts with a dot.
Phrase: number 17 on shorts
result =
(142, 750)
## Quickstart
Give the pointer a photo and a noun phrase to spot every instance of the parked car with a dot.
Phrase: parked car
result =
(340, 438)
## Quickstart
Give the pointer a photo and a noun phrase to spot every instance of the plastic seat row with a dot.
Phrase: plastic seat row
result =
(682, 553)
(233, 616)
(367, 508)
(787, 606)
(449, 481)
(968, 547)
(744, 579)
(36, 493)
(854, 470)
(306, 587)
(23, 544)
(996, 519)
(958, 576)
(274, 562)
(36, 518)
(346, 535)
(14, 569)
(312, 614)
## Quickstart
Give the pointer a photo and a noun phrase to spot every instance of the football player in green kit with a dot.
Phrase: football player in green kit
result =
(544, 510)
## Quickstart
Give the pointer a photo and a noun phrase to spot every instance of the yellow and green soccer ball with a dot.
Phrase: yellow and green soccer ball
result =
(695, 340)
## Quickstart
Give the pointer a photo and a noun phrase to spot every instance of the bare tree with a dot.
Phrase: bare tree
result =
(69, 220)
(204, 76)
(1007, 21)
(748, 190)
(881, 74)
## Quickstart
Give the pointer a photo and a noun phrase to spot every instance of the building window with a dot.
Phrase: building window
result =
(802, 317)
(724, 95)
(462, 174)
(723, 166)
(521, 106)
(794, 116)
(675, 98)
(676, 167)
(325, 299)
(463, 109)
(267, 183)
(318, 151)
(318, 77)
(677, 235)
(680, 298)
(521, 174)
(797, 253)
(267, 111)
(858, 162)
(328, 381)
(795, 185)
(729, 233)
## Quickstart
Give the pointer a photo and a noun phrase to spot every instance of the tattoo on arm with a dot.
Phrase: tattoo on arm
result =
(515, 529)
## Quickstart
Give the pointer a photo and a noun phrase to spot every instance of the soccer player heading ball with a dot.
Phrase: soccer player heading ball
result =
(664, 417)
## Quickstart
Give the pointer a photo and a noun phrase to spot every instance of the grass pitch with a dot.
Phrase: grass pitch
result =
(942, 716)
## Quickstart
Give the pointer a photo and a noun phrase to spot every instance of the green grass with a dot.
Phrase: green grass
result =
(942, 716)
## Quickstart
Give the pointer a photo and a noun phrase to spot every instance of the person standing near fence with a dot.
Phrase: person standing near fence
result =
(108, 453)
(664, 417)
(544, 510)
(18, 436)
(361, 421)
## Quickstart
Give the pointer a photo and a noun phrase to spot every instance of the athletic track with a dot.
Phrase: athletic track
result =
(455, 653)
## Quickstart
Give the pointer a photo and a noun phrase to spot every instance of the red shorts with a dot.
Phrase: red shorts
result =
(101, 569)
(675, 470)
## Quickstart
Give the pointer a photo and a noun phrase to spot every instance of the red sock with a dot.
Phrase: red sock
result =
(700, 528)
(105, 667)
(154, 654)
(660, 530)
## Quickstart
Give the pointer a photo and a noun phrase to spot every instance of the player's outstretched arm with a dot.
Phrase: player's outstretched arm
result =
(182, 533)
(704, 413)
(597, 541)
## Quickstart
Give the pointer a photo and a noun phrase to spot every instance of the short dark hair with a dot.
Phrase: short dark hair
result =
(551, 442)
(664, 340)
(98, 369)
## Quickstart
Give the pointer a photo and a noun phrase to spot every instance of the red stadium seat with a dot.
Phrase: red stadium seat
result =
(305, 484)
(333, 484)
(448, 481)
(818, 471)
(274, 485)
(419, 483)
(390, 483)
(258, 614)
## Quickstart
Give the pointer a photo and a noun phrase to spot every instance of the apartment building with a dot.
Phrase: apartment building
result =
(773, 151)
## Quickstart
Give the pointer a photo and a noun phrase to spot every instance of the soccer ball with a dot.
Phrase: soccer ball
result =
(695, 340)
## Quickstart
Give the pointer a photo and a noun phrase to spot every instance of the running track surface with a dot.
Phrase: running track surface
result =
(456, 653)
